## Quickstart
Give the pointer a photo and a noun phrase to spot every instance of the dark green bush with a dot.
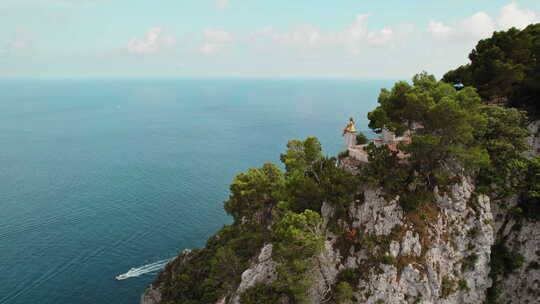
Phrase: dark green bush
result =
(469, 262)
(361, 139)
(343, 154)
(344, 293)
(348, 275)
(504, 261)
(388, 259)
(260, 294)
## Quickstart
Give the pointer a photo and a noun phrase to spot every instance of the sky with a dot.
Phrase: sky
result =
(248, 38)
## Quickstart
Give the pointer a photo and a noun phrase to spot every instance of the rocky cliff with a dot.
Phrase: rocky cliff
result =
(462, 247)
(443, 259)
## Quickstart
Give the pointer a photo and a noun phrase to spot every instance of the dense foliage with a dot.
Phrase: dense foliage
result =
(452, 129)
(449, 122)
(530, 200)
(254, 193)
(505, 66)
(268, 206)
(210, 272)
(361, 139)
(260, 293)
(312, 178)
(296, 238)
(505, 142)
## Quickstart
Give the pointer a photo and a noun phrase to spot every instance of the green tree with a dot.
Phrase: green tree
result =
(344, 293)
(312, 178)
(301, 155)
(361, 139)
(530, 200)
(260, 294)
(338, 186)
(297, 239)
(505, 142)
(449, 121)
(254, 192)
(385, 170)
(505, 65)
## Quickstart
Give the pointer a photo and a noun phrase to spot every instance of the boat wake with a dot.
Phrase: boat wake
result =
(139, 271)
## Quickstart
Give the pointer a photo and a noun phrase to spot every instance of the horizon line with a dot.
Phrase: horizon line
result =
(195, 77)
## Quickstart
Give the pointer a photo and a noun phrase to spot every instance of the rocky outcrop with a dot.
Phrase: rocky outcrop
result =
(445, 260)
(520, 237)
(439, 253)
(440, 256)
(523, 284)
(263, 270)
(534, 139)
(151, 295)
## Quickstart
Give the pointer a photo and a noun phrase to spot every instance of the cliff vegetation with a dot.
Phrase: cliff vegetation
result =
(456, 221)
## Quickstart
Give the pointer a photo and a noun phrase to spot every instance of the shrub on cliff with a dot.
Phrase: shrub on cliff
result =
(312, 178)
(260, 294)
(530, 200)
(505, 142)
(210, 273)
(361, 139)
(296, 238)
(255, 192)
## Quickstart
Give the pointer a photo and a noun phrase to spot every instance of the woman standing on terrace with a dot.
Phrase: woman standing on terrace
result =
(350, 134)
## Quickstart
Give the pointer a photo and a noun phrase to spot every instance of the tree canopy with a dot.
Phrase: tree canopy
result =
(254, 191)
(505, 66)
(454, 129)
(449, 121)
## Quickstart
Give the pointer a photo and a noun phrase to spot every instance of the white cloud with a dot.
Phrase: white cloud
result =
(222, 4)
(155, 40)
(440, 30)
(214, 40)
(358, 35)
(209, 48)
(352, 39)
(477, 26)
(380, 37)
(217, 35)
(304, 35)
(512, 16)
(22, 42)
(358, 30)
(481, 25)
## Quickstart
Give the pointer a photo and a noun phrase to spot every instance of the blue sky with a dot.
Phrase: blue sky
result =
(301, 38)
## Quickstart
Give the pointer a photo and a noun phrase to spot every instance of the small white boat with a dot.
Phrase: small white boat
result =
(121, 277)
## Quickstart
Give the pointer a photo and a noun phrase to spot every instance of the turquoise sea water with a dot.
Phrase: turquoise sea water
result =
(98, 176)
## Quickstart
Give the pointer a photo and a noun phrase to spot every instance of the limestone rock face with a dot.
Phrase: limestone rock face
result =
(263, 270)
(423, 264)
(534, 139)
(151, 295)
(439, 254)
(447, 261)
(523, 285)
(521, 237)
(437, 258)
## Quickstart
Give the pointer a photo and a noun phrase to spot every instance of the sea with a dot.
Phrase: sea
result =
(107, 176)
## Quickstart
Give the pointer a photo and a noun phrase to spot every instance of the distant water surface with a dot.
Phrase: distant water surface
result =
(99, 176)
